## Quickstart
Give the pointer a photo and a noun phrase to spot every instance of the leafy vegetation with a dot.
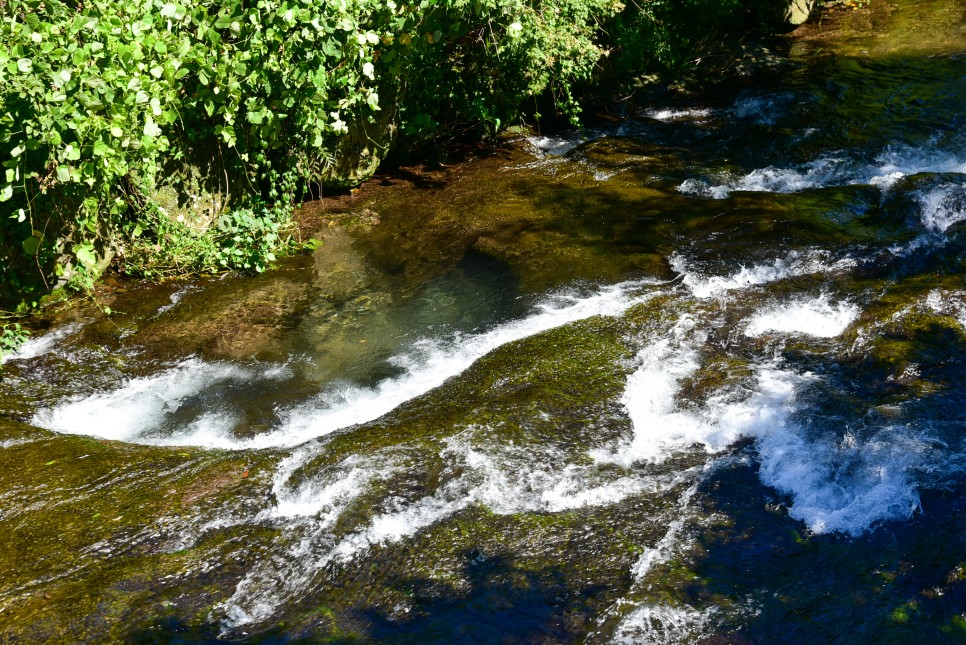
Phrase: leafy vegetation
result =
(12, 338)
(105, 104)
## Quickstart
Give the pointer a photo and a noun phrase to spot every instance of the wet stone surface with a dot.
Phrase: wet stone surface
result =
(693, 375)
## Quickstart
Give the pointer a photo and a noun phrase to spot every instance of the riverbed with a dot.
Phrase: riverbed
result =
(693, 373)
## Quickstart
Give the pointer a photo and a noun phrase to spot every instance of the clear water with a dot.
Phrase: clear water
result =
(699, 375)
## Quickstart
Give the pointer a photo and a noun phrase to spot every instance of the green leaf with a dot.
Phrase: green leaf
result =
(6, 193)
(151, 128)
(85, 254)
(332, 48)
(63, 174)
(255, 117)
(32, 244)
(25, 65)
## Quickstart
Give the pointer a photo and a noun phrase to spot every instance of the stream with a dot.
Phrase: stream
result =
(696, 373)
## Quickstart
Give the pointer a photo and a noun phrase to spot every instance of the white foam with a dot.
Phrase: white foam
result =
(431, 362)
(896, 162)
(813, 317)
(512, 481)
(891, 165)
(556, 146)
(661, 428)
(792, 265)
(508, 480)
(846, 486)
(671, 114)
(323, 497)
(41, 345)
(140, 409)
(943, 206)
(177, 296)
(10, 443)
(701, 188)
(835, 486)
(672, 542)
(657, 624)
(816, 174)
(949, 304)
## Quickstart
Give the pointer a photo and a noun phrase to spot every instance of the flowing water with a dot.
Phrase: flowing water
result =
(696, 375)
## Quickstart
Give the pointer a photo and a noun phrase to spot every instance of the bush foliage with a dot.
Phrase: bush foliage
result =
(98, 98)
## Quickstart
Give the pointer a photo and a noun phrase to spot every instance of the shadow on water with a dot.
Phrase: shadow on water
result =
(898, 582)
(901, 583)
(498, 603)
(501, 604)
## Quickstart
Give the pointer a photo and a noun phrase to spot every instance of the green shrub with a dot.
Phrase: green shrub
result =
(247, 238)
(662, 35)
(12, 338)
(98, 99)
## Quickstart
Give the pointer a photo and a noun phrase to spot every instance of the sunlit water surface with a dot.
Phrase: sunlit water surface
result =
(697, 375)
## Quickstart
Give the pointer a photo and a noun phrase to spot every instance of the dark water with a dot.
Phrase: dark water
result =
(696, 376)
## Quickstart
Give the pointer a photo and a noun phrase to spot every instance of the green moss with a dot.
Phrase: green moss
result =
(714, 374)
(956, 627)
(89, 557)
